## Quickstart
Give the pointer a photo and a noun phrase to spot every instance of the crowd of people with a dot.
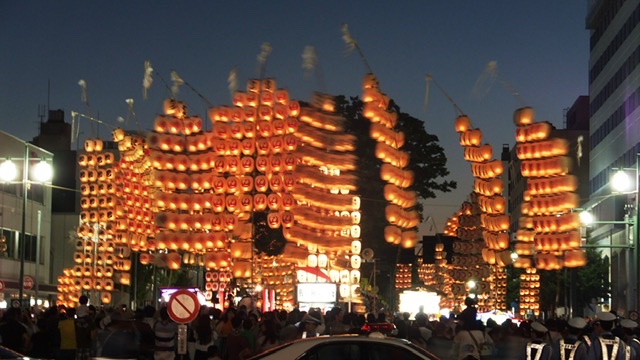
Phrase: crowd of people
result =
(238, 333)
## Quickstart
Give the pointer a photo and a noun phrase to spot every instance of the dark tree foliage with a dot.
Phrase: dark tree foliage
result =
(427, 161)
(578, 288)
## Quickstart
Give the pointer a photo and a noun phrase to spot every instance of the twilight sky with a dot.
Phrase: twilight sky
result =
(541, 49)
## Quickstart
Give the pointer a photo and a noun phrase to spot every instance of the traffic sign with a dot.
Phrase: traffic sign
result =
(183, 306)
(27, 283)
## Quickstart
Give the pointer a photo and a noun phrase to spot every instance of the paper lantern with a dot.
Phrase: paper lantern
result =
(241, 269)
(287, 219)
(345, 276)
(355, 231)
(273, 220)
(523, 116)
(323, 260)
(241, 250)
(355, 277)
(312, 260)
(261, 183)
(356, 261)
(356, 246)
(108, 284)
(345, 290)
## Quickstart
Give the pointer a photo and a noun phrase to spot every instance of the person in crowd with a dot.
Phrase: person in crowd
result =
(469, 339)
(572, 345)
(629, 328)
(309, 326)
(289, 331)
(13, 334)
(402, 325)
(85, 330)
(67, 328)
(118, 340)
(213, 353)
(605, 345)
(149, 313)
(334, 323)
(204, 335)
(470, 312)
(237, 346)
(145, 335)
(165, 332)
(247, 332)
(538, 348)
(268, 337)
(44, 343)
(419, 332)
(225, 327)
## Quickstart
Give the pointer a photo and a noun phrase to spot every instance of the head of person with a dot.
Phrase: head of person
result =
(606, 320)
(576, 325)
(538, 330)
(628, 326)
(310, 323)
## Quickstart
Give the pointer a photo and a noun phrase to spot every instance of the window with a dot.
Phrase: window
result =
(342, 350)
(388, 351)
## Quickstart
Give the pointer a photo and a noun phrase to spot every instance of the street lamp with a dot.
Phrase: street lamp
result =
(40, 172)
(621, 182)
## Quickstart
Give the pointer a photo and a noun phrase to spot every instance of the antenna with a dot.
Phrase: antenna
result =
(42, 112)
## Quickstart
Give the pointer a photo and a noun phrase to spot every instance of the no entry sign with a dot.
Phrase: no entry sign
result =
(183, 306)
(27, 283)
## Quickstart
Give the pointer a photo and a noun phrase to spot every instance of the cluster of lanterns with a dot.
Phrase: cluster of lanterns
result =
(481, 224)
(278, 274)
(403, 276)
(530, 291)
(327, 215)
(549, 236)
(402, 219)
(216, 283)
(186, 195)
(95, 251)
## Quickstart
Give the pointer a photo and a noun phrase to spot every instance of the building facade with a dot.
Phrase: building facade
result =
(614, 139)
(32, 215)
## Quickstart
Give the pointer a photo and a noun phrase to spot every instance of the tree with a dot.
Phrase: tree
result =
(428, 163)
(566, 284)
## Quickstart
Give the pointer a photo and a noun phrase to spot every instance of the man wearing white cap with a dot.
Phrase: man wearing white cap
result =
(607, 346)
(538, 348)
(573, 346)
(629, 328)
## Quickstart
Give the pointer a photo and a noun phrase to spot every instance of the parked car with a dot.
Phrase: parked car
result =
(348, 347)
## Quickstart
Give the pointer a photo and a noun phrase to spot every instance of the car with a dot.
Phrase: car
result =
(6, 353)
(376, 346)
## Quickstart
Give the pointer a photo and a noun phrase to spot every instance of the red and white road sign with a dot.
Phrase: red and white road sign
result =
(27, 283)
(183, 306)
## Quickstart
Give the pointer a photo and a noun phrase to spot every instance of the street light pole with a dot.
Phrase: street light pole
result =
(22, 243)
(636, 236)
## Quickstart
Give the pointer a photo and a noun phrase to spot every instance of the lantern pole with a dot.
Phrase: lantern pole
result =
(22, 244)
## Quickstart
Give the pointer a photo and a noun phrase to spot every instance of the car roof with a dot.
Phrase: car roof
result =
(304, 344)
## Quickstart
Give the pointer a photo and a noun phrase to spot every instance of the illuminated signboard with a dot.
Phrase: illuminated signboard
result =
(317, 292)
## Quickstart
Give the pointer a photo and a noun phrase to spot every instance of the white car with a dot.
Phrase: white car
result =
(348, 347)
